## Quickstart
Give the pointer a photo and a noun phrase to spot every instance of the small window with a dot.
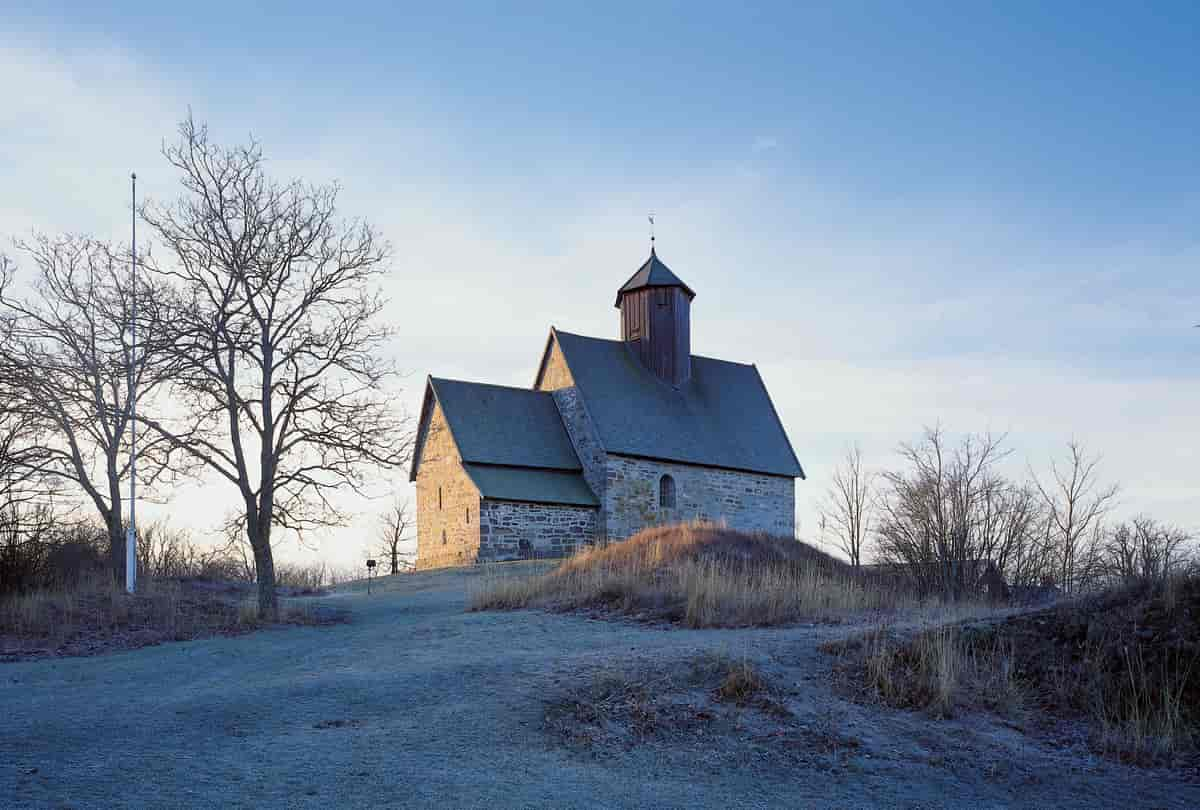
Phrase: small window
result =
(666, 492)
(439, 498)
(443, 537)
(468, 514)
(661, 297)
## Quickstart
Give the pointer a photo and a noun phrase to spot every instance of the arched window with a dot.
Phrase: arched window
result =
(439, 497)
(468, 514)
(666, 492)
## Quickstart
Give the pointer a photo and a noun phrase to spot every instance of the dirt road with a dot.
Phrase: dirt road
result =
(417, 703)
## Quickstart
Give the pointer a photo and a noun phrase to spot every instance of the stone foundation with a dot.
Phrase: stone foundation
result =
(514, 531)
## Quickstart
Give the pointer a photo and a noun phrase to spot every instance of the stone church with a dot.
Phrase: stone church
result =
(613, 436)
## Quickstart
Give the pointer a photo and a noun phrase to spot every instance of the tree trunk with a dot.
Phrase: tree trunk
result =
(395, 560)
(116, 548)
(264, 563)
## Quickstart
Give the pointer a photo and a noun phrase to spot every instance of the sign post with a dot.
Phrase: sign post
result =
(370, 572)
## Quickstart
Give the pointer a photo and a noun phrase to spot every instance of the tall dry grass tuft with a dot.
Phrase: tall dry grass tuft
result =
(939, 670)
(1146, 715)
(699, 574)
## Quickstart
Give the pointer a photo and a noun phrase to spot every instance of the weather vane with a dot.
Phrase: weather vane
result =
(651, 218)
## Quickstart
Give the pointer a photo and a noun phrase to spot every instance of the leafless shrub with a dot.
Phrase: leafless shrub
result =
(1077, 503)
(394, 527)
(940, 519)
(1143, 548)
(847, 510)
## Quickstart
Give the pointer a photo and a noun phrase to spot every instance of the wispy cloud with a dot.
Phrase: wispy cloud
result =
(869, 316)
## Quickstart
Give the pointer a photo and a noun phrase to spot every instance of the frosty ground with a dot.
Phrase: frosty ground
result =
(416, 702)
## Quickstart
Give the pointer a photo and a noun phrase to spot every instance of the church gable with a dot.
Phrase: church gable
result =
(553, 372)
(448, 501)
(510, 442)
(722, 416)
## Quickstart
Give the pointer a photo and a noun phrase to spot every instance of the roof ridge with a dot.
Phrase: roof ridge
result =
(614, 340)
(486, 384)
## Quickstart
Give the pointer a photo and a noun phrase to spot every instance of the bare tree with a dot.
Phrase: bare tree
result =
(393, 530)
(1077, 504)
(68, 367)
(1144, 548)
(932, 510)
(846, 510)
(277, 336)
(1010, 531)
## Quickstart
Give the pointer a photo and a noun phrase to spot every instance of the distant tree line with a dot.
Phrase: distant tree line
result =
(945, 512)
(259, 358)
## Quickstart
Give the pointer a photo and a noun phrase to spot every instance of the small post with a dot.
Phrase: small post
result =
(370, 573)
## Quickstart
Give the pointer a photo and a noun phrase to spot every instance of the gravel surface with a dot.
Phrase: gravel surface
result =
(418, 703)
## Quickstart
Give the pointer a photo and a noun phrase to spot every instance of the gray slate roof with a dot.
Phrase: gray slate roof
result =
(653, 274)
(524, 484)
(496, 424)
(512, 441)
(721, 417)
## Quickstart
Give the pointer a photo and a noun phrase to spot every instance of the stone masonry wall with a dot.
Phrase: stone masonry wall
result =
(447, 531)
(514, 531)
(557, 378)
(745, 501)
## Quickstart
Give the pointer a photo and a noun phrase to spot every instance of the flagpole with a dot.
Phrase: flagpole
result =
(131, 535)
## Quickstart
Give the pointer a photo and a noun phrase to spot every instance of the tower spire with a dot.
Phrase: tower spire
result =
(650, 217)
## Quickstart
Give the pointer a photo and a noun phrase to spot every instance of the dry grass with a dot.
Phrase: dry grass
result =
(940, 670)
(1125, 664)
(701, 575)
(1125, 661)
(709, 694)
(1144, 716)
(95, 615)
(741, 684)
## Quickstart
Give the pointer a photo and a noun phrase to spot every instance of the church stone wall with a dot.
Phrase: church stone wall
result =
(447, 531)
(513, 531)
(744, 501)
(556, 377)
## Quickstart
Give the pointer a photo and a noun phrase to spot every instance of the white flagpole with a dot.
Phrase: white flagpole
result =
(131, 534)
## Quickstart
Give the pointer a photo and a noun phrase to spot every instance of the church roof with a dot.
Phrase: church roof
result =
(497, 424)
(525, 484)
(653, 274)
(512, 442)
(722, 416)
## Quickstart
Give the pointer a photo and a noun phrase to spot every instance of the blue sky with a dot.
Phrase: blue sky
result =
(987, 215)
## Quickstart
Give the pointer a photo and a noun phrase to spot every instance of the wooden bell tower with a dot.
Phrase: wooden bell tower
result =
(656, 320)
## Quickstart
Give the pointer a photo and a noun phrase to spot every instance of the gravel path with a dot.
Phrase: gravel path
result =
(417, 703)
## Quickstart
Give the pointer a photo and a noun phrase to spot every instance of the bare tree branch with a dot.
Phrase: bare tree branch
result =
(394, 526)
(847, 509)
(1077, 505)
(277, 339)
(69, 367)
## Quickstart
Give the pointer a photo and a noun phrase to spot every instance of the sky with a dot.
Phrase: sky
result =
(983, 216)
